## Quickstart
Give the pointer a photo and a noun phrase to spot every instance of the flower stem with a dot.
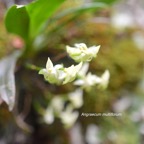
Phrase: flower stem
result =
(32, 67)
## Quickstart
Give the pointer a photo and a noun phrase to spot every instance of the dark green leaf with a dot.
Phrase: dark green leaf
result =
(17, 21)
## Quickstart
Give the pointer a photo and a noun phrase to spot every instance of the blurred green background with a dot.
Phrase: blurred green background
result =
(119, 29)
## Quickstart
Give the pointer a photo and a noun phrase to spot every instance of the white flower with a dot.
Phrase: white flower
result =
(76, 98)
(48, 115)
(57, 104)
(81, 53)
(58, 74)
(104, 80)
(71, 72)
(88, 81)
(54, 109)
(68, 117)
(52, 74)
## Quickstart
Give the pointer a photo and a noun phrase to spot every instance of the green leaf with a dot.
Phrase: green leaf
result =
(7, 81)
(17, 21)
(39, 11)
(107, 1)
(42, 41)
(27, 20)
(81, 9)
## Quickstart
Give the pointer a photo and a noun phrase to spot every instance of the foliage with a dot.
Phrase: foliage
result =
(107, 1)
(39, 103)
(26, 18)
(29, 19)
(7, 82)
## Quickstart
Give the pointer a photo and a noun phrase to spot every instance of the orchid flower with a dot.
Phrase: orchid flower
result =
(80, 53)
(58, 74)
(49, 116)
(87, 80)
(104, 80)
(56, 109)
(68, 117)
(76, 98)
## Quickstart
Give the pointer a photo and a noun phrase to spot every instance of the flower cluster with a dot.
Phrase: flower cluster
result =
(66, 114)
(81, 53)
(87, 80)
(60, 75)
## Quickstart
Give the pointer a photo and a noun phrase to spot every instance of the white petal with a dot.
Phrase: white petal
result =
(57, 103)
(58, 66)
(105, 79)
(61, 75)
(84, 69)
(78, 67)
(94, 49)
(92, 79)
(72, 51)
(81, 46)
(43, 71)
(76, 98)
(79, 82)
(48, 116)
(106, 75)
(49, 64)
(69, 117)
